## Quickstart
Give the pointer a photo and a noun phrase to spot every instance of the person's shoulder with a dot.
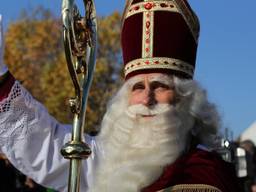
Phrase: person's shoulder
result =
(197, 170)
(202, 157)
(207, 162)
(200, 166)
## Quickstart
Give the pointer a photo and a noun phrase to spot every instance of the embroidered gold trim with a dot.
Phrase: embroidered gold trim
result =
(151, 6)
(159, 63)
(147, 35)
(191, 188)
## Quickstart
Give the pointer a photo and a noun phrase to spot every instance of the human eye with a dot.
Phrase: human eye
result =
(138, 86)
(157, 85)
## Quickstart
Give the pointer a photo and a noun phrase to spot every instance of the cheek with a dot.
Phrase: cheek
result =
(135, 98)
(165, 97)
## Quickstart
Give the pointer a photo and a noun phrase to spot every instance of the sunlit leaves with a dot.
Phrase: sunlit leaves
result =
(35, 55)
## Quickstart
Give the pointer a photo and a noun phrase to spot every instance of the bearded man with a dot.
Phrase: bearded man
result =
(159, 130)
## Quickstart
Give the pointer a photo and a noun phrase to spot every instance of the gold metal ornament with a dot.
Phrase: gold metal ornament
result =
(80, 43)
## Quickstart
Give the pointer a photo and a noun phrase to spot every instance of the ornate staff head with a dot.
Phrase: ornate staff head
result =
(79, 34)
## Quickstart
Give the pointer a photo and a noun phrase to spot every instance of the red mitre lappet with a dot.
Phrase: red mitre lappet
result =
(159, 36)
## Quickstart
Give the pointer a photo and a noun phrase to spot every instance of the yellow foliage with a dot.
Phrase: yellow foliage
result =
(35, 55)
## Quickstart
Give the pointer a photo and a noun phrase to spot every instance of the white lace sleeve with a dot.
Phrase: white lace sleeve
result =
(32, 139)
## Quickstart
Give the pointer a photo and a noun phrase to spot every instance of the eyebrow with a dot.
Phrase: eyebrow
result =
(154, 78)
(135, 81)
(162, 79)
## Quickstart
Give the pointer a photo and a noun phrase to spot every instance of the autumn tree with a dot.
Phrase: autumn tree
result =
(35, 55)
(31, 43)
(109, 63)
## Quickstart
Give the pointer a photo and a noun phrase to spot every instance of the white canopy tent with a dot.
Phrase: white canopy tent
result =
(249, 133)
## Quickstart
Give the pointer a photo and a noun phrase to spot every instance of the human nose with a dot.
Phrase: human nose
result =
(148, 98)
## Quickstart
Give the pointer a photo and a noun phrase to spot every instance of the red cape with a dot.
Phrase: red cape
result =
(6, 87)
(198, 167)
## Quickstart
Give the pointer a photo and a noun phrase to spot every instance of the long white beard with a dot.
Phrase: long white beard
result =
(132, 150)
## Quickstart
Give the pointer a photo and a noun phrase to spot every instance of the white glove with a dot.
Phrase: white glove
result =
(3, 67)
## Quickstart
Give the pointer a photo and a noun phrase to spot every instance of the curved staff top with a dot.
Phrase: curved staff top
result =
(80, 41)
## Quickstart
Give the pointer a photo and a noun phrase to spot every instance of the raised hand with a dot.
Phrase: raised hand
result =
(3, 67)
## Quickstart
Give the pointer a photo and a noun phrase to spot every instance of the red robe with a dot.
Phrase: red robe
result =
(198, 167)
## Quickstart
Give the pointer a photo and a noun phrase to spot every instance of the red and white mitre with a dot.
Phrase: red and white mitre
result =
(159, 36)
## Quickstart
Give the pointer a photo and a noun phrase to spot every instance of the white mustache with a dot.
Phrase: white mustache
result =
(141, 110)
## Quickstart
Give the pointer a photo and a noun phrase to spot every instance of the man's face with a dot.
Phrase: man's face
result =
(150, 122)
(151, 89)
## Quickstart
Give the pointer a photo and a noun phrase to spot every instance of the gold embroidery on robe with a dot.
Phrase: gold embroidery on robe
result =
(191, 188)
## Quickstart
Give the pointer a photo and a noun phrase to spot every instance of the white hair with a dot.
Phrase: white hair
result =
(207, 119)
(190, 96)
(132, 152)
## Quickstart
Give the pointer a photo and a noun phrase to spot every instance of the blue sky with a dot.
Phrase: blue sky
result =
(226, 64)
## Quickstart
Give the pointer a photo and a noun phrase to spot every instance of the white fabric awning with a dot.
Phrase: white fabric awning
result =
(249, 133)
